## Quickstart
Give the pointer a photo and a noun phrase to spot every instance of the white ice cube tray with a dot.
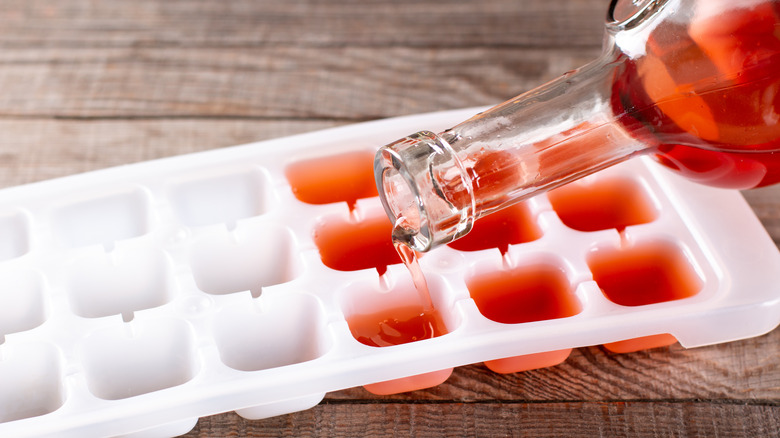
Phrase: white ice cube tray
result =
(135, 300)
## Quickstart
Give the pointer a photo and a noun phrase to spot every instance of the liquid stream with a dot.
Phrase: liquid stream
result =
(409, 258)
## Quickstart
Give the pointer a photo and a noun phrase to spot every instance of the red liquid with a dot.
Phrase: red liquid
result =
(648, 273)
(510, 226)
(527, 362)
(402, 325)
(396, 326)
(338, 178)
(527, 294)
(714, 85)
(603, 205)
(411, 383)
(643, 343)
(346, 245)
(409, 257)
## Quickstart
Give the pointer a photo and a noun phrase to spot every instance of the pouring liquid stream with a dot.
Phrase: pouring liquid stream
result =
(408, 322)
(409, 258)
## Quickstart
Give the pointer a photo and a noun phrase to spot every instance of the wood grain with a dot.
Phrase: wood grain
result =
(350, 84)
(301, 23)
(89, 84)
(38, 149)
(520, 419)
(765, 202)
(747, 370)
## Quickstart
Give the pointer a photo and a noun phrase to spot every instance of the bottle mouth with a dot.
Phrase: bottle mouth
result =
(408, 179)
(628, 14)
(401, 200)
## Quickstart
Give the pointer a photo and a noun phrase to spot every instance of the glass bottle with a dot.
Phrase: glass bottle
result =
(694, 83)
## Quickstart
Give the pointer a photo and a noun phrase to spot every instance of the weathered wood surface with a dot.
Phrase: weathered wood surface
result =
(89, 84)
(300, 23)
(513, 419)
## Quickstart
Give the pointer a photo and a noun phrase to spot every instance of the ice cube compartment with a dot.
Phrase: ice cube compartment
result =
(137, 299)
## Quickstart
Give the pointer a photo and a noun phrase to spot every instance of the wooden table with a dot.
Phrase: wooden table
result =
(89, 84)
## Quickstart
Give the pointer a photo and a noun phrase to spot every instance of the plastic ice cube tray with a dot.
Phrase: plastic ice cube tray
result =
(134, 300)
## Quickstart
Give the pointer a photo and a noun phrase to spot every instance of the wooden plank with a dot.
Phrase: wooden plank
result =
(35, 150)
(197, 23)
(333, 83)
(743, 370)
(766, 204)
(549, 419)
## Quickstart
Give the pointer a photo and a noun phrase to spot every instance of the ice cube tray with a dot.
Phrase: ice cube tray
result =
(136, 299)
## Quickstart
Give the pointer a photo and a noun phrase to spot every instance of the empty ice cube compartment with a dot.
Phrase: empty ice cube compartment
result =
(220, 196)
(344, 177)
(601, 203)
(646, 272)
(510, 226)
(119, 282)
(102, 218)
(139, 357)
(271, 331)
(248, 258)
(14, 235)
(30, 381)
(22, 301)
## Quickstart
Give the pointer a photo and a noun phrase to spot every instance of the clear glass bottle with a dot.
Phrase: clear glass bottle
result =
(695, 83)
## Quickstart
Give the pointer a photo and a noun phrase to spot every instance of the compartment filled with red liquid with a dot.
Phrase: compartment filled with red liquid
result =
(525, 294)
(645, 273)
(391, 318)
(510, 226)
(343, 177)
(396, 326)
(349, 244)
(602, 204)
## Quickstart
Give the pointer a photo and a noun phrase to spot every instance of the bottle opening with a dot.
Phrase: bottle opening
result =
(416, 198)
(627, 14)
(401, 200)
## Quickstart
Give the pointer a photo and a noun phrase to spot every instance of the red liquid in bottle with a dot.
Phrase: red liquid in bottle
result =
(707, 97)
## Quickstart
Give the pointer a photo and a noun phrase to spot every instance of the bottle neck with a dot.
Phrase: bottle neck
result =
(694, 80)
(435, 185)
